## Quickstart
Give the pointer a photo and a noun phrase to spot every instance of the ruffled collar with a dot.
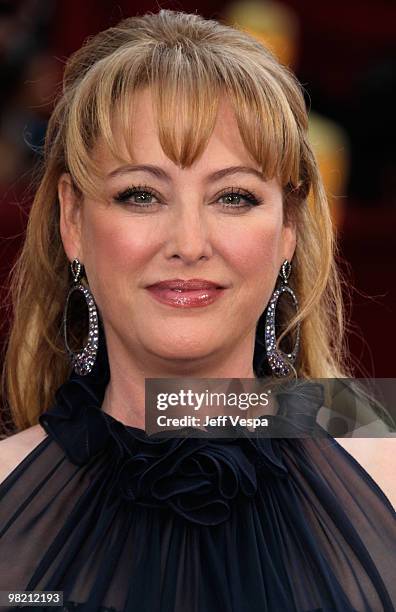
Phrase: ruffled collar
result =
(197, 477)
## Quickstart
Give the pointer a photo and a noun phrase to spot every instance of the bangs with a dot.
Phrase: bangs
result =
(187, 83)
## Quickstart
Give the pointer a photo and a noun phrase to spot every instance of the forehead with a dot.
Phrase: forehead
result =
(140, 142)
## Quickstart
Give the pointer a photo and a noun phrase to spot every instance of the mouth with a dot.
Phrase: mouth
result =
(186, 294)
(181, 285)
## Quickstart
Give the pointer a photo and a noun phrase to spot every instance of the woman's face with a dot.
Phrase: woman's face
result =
(180, 224)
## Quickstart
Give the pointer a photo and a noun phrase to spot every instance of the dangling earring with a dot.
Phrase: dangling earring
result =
(83, 361)
(277, 359)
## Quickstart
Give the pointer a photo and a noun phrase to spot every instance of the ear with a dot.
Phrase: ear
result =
(289, 240)
(70, 204)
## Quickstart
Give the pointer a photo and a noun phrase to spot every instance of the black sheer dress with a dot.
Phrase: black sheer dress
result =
(124, 522)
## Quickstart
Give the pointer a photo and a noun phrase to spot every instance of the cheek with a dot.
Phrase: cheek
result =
(255, 252)
(114, 255)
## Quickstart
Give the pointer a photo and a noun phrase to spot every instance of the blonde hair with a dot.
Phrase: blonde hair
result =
(189, 62)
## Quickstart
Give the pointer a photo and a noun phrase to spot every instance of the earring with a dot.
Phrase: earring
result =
(82, 361)
(277, 359)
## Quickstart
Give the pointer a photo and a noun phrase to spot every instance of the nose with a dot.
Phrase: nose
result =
(188, 234)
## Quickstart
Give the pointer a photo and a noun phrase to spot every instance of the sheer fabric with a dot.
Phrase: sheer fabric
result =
(124, 522)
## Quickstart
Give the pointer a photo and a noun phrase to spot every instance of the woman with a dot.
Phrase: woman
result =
(178, 150)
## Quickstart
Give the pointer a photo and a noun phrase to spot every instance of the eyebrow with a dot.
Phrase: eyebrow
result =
(164, 176)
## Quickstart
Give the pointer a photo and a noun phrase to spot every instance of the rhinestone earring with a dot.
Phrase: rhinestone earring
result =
(278, 360)
(82, 361)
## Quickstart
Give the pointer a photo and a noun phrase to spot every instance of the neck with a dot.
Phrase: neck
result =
(124, 397)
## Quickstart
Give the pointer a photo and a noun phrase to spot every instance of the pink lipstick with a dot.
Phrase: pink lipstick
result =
(191, 293)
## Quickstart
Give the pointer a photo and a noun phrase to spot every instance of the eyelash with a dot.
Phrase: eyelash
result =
(123, 197)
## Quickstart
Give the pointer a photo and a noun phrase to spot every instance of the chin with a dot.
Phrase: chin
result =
(182, 348)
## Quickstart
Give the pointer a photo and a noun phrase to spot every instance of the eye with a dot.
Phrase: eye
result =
(141, 194)
(234, 197)
(140, 197)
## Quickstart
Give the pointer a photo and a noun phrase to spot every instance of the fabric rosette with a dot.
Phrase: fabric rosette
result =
(197, 478)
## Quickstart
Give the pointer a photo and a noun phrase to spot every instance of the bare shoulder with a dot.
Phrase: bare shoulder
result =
(17, 446)
(378, 457)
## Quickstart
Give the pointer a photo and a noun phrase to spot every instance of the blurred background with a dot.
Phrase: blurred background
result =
(343, 52)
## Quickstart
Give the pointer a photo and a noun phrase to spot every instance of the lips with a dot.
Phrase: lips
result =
(191, 293)
(193, 284)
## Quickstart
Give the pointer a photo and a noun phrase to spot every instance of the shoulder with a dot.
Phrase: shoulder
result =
(378, 457)
(17, 446)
